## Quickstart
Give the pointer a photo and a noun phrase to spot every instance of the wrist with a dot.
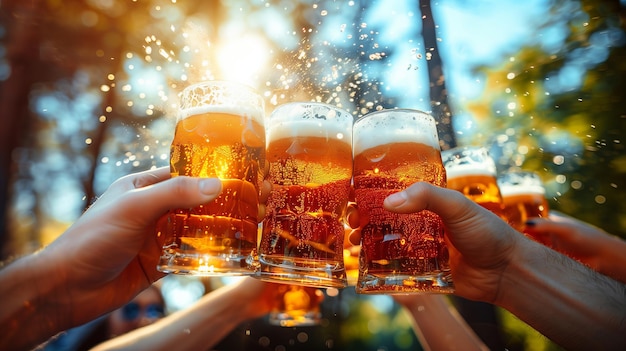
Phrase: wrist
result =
(30, 311)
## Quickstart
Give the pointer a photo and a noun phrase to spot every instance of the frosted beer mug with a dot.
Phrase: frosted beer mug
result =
(471, 171)
(310, 167)
(400, 253)
(524, 197)
(219, 133)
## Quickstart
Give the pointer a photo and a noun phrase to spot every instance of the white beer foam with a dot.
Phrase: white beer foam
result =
(469, 169)
(394, 126)
(241, 110)
(523, 182)
(309, 120)
(521, 189)
(221, 97)
(307, 128)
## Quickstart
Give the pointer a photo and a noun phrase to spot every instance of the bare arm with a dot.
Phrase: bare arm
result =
(101, 262)
(590, 245)
(204, 324)
(566, 301)
(563, 299)
(438, 325)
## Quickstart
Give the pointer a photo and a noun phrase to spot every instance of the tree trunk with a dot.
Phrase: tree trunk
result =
(438, 92)
(22, 47)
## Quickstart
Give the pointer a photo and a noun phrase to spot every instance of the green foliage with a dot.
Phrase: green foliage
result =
(570, 133)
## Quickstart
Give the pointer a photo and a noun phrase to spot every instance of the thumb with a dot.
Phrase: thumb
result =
(462, 217)
(451, 205)
(178, 192)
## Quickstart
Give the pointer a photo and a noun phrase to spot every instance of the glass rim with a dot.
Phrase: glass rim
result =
(416, 126)
(220, 82)
(313, 103)
(195, 99)
(462, 148)
(400, 110)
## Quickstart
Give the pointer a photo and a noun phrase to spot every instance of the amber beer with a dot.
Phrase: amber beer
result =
(219, 133)
(524, 197)
(400, 253)
(472, 171)
(296, 306)
(351, 252)
(310, 167)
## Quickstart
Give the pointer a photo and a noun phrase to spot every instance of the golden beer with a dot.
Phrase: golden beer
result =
(471, 171)
(400, 253)
(310, 167)
(219, 133)
(351, 257)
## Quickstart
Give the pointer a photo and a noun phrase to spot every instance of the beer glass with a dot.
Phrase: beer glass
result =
(310, 167)
(471, 171)
(219, 133)
(524, 197)
(296, 306)
(400, 253)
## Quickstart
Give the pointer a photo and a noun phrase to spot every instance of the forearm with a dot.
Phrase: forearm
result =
(439, 326)
(564, 300)
(197, 328)
(28, 315)
(612, 258)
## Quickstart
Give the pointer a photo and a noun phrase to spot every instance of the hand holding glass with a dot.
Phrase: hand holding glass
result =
(219, 133)
(400, 253)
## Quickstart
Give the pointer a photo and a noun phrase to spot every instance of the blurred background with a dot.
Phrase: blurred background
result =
(88, 93)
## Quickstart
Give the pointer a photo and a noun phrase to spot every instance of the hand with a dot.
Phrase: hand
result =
(479, 242)
(111, 251)
(104, 259)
